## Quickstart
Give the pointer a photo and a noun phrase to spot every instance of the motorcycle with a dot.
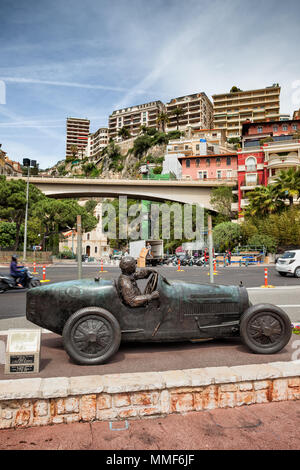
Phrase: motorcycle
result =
(8, 282)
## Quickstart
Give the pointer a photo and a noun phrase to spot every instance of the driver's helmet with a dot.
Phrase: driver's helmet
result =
(127, 264)
(14, 257)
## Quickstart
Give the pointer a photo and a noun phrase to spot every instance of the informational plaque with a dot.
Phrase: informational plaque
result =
(23, 351)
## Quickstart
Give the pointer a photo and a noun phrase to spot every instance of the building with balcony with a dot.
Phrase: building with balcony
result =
(197, 112)
(132, 118)
(96, 142)
(9, 167)
(267, 148)
(231, 110)
(77, 136)
(212, 167)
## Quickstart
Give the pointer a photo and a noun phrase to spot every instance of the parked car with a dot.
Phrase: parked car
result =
(289, 263)
(93, 319)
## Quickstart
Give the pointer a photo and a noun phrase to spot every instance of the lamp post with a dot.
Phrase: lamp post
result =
(27, 163)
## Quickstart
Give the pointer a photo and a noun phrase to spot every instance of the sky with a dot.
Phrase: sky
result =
(71, 58)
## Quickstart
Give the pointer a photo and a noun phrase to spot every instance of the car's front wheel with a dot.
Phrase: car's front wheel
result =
(265, 328)
(91, 336)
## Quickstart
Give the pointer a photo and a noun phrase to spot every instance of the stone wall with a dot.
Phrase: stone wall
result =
(36, 402)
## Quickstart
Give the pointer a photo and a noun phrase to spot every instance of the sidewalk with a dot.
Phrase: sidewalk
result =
(272, 426)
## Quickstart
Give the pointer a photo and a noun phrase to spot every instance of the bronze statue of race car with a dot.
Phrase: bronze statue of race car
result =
(93, 318)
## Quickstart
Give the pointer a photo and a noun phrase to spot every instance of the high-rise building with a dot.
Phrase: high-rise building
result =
(132, 118)
(196, 112)
(232, 109)
(97, 142)
(77, 136)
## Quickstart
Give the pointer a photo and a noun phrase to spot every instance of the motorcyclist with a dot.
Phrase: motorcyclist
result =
(17, 272)
(128, 287)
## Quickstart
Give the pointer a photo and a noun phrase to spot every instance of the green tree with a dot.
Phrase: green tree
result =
(287, 184)
(263, 200)
(226, 235)
(162, 120)
(124, 133)
(13, 202)
(177, 112)
(221, 200)
(7, 234)
(260, 239)
(235, 89)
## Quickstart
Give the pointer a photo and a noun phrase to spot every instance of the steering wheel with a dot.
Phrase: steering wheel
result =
(151, 284)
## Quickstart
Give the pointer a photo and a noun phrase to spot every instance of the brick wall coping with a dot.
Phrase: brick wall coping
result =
(55, 387)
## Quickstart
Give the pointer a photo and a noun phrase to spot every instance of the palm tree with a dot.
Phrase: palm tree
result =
(263, 201)
(178, 112)
(163, 119)
(287, 184)
(124, 133)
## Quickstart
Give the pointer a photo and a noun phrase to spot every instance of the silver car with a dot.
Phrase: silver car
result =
(289, 263)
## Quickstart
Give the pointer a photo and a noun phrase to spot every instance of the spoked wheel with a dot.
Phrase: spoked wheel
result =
(91, 335)
(265, 328)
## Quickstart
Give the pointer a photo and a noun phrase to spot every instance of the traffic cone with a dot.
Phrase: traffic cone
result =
(34, 269)
(44, 275)
(266, 285)
(101, 264)
(178, 269)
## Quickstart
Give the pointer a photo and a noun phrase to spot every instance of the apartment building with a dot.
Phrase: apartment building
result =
(132, 118)
(96, 142)
(197, 112)
(9, 167)
(259, 161)
(210, 166)
(77, 135)
(231, 110)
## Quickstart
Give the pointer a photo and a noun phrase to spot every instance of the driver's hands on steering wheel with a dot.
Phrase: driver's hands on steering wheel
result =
(154, 295)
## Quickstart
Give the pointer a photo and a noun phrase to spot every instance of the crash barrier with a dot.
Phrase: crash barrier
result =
(118, 397)
(39, 257)
(266, 279)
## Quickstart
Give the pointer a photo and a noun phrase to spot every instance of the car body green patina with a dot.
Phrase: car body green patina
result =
(93, 319)
(183, 310)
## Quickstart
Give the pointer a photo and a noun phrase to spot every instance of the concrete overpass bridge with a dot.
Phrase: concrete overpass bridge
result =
(182, 191)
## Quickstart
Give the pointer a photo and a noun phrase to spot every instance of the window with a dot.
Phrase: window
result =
(188, 163)
(218, 161)
(207, 161)
(197, 147)
(186, 147)
(197, 162)
(229, 174)
(259, 129)
(295, 127)
(202, 175)
(88, 236)
(251, 179)
(228, 161)
(275, 128)
(284, 127)
(219, 174)
(251, 164)
(96, 249)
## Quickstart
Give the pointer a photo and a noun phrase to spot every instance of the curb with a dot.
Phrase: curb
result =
(36, 401)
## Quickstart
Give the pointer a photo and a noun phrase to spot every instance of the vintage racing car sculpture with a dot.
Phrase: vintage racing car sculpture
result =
(93, 319)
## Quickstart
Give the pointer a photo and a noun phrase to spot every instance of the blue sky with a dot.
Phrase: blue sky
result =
(63, 58)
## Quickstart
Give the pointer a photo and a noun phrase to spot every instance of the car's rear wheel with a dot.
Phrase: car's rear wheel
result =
(297, 272)
(265, 328)
(91, 336)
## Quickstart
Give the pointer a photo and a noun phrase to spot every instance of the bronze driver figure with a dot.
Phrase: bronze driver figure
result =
(128, 287)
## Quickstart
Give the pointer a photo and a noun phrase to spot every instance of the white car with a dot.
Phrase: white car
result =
(289, 263)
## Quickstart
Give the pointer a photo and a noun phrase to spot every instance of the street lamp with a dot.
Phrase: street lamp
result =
(27, 163)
